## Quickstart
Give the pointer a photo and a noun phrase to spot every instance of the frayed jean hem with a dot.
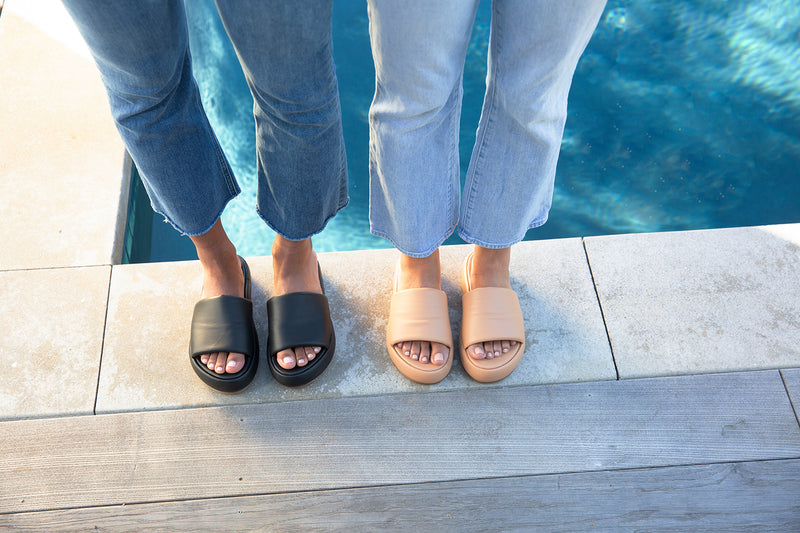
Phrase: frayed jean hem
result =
(405, 251)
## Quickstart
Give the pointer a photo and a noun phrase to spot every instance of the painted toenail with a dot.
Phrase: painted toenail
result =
(317, 349)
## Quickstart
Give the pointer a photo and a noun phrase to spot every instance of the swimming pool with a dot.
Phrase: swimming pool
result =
(683, 115)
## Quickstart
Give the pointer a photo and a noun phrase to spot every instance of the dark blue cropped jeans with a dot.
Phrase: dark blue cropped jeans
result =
(142, 50)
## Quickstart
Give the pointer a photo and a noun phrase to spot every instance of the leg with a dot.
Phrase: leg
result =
(533, 51)
(286, 52)
(419, 51)
(141, 49)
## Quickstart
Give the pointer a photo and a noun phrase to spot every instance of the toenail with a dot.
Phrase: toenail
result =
(316, 349)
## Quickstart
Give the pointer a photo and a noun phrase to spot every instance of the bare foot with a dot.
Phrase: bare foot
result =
(294, 264)
(418, 273)
(490, 268)
(222, 275)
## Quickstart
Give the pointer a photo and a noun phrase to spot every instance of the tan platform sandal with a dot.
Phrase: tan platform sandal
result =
(419, 315)
(489, 314)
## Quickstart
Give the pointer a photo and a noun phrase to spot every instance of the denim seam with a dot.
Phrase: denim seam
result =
(336, 211)
(385, 235)
(454, 163)
(472, 240)
(202, 232)
(475, 170)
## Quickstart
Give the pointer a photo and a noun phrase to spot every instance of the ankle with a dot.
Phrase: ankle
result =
(214, 248)
(294, 266)
(286, 251)
(418, 272)
(490, 267)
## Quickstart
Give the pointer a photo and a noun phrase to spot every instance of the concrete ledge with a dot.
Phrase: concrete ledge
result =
(52, 323)
(674, 304)
(150, 309)
(700, 301)
(61, 170)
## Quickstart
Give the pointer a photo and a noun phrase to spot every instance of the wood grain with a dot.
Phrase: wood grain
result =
(791, 377)
(410, 438)
(757, 496)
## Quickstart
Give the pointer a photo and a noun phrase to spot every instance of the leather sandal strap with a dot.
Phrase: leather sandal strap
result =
(298, 319)
(419, 315)
(491, 313)
(222, 324)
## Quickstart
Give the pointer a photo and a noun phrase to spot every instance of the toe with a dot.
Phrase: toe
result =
(211, 361)
(438, 353)
(505, 346)
(415, 349)
(311, 352)
(219, 364)
(235, 363)
(286, 359)
(300, 356)
(424, 352)
(497, 346)
(488, 350)
(476, 351)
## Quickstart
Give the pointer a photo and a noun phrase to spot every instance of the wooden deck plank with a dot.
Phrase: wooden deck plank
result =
(429, 437)
(791, 377)
(756, 496)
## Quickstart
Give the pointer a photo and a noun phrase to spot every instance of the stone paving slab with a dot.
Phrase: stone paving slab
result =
(145, 362)
(700, 301)
(52, 324)
(61, 160)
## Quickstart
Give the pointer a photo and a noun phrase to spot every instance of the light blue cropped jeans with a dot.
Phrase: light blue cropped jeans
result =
(142, 50)
(419, 48)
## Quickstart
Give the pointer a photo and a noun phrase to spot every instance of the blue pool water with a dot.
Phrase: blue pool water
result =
(683, 115)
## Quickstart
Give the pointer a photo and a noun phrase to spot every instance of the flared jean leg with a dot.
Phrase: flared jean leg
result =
(286, 52)
(141, 48)
(534, 48)
(419, 49)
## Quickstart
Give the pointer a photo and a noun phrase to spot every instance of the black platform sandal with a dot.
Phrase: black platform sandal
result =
(225, 324)
(300, 319)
